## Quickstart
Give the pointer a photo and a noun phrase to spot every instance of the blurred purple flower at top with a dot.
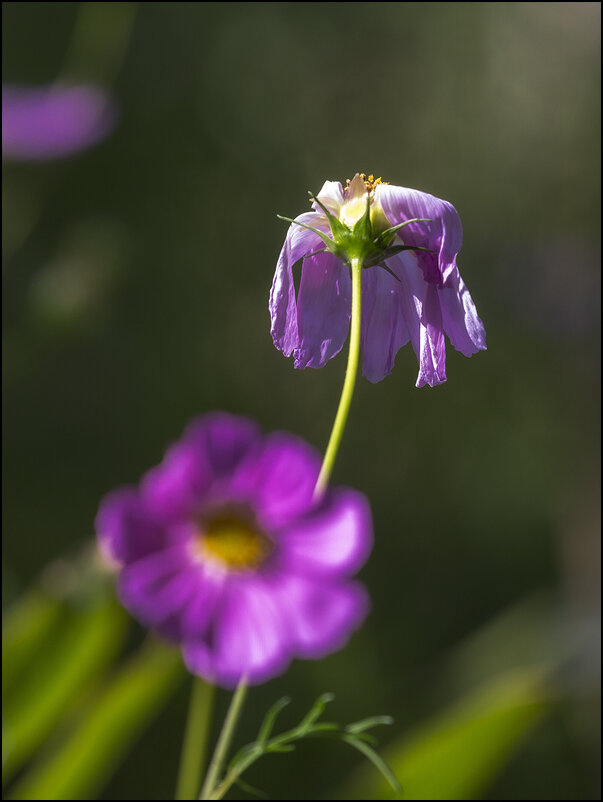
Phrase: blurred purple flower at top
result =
(49, 122)
(411, 287)
(225, 550)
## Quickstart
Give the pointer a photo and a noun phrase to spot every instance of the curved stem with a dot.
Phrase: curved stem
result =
(348, 384)
(224, 740)
(192, 758)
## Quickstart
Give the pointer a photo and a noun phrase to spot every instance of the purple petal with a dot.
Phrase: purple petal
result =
(175, 489)
(432, 365)
(323, 310)
(50, 122)
(461, 321)
(126, 530)
(279, 480)
(283, 311)
(158, 587)
(208, 453)
(335, 539)
(444, 234)
(248, 637)
(384, 330)
(224, 440)
(421, 310)
(321, 615)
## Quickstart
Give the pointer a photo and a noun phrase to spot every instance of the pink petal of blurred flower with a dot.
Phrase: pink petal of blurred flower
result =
(50, 122)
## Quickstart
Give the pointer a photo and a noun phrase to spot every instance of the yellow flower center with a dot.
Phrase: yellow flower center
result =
(232, 542)
(355, 196)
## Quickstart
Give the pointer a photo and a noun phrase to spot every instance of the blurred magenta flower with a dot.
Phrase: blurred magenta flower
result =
(411, 286)
(49, 122)
(225, 549)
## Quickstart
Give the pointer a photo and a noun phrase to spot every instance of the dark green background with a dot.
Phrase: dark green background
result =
(136, 280)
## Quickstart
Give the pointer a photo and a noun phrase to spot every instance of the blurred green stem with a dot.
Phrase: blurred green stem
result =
(230, 723)
(348, 384)
(192, 758)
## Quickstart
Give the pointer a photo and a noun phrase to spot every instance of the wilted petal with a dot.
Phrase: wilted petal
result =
(432, 365)
(423, 318)
(384, 330)
(49, 122)
(321, 616)
(335, 539)
(461, 321)
(283, 311)
(323, 310)
(444, 234)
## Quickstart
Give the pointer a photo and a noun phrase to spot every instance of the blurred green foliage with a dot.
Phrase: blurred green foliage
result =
(457, 755)
(130, 306)
(61, 690)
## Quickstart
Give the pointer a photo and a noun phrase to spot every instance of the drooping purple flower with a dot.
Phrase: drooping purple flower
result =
(412, 290)
(225, 549)
(49, 122)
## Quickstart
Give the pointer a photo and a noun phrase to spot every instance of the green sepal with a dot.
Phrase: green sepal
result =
(391, 272)
(377, 258)
(327, 241)
(385, 238)
(338, 228)
(363, 227)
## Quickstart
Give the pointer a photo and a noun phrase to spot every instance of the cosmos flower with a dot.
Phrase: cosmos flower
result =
(411, 287)
(49, 122)
(225, 549)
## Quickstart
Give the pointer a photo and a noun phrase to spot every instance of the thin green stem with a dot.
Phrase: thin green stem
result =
(233, 775)
(348, 384)
(192, 758)
(230, 723)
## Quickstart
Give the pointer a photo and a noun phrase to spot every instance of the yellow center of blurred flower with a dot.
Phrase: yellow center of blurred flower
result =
(232, 542)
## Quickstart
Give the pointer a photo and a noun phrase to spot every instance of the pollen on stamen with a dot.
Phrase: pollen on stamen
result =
(369, 181)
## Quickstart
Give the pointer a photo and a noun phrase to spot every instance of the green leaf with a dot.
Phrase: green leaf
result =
(26, 625)
(309, 727)
(316, 712)
(458, 753)
(250, 789)
(86, 758)
(270, 719)
(281, 748)
(66, 654)
(324, 726)
(378, 762)
(368, 723)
